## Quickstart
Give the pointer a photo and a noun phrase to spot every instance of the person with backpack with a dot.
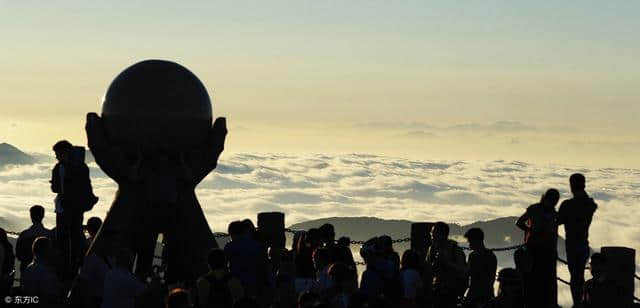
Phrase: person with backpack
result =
(25, 240)
(448, 263)
(218, 288)
(74, 195)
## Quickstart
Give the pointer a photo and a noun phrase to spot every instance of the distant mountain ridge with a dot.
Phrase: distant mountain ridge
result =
(10, 155)
(499, 232)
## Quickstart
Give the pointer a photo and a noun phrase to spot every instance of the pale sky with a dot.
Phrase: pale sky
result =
(517, 80)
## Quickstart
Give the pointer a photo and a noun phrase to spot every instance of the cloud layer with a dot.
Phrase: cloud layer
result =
(313, 186)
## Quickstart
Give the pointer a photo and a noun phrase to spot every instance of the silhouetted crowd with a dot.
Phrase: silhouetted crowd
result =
(316, 271)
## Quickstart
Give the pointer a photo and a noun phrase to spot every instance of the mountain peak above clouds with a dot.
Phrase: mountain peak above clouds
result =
(10, 155)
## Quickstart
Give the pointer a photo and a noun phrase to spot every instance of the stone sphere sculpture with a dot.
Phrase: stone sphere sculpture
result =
(156, 104)
(155, 139)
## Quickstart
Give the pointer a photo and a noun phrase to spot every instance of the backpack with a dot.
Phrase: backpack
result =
(219, 294)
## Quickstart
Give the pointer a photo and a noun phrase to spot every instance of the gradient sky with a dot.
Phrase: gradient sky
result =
(545, 82)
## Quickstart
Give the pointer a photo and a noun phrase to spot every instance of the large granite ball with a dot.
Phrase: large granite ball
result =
(156, 104)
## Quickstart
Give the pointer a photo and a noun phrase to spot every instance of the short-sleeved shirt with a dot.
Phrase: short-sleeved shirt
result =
(576, 215)
(482, 272)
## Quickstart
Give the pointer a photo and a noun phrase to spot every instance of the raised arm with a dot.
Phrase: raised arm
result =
(522, 221)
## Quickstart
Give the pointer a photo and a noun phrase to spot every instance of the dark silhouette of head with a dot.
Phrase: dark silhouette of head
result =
(410, 259)
(371, 250)
(178, 298)
(41, 249)
(93, 225)
(475, 237)
(236, 229)
(344, 241)
(63, 149)
(440, 232)
(328, 234)
(386, 244)
(250, 228)
(216, 259)
(156, 104)
(550, 198)
(597, 265)
(37, 214)
(577, 182)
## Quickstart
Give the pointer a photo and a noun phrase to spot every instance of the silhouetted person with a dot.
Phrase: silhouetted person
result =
(510, 291)
(342, 286)
(338, 251)
(305, 270)
(541, 233)
(482, 266)
(599, 289)
(388, 252)
(245, 256)
(121, 287)
(321, 262)
(93, 225)
(448, 263)
(286, 296)
(40, 278)
(7, 263)
(70, 181)
(576, 215)
(179, 298)
(89, 283)
(25, 239)
(218, 288)
(381, 278)
(410, 278)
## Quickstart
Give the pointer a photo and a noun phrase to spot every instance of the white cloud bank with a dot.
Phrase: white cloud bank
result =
(314, 186)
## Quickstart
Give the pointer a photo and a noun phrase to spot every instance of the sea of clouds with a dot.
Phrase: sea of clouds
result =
(310, 186)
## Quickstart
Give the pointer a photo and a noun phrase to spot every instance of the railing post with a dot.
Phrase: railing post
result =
(271, 233)
(620, 269)
(421, 237)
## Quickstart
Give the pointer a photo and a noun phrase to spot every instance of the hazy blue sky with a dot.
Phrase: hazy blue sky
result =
(411, 78)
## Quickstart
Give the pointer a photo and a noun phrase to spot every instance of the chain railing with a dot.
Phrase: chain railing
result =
(396, 241)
